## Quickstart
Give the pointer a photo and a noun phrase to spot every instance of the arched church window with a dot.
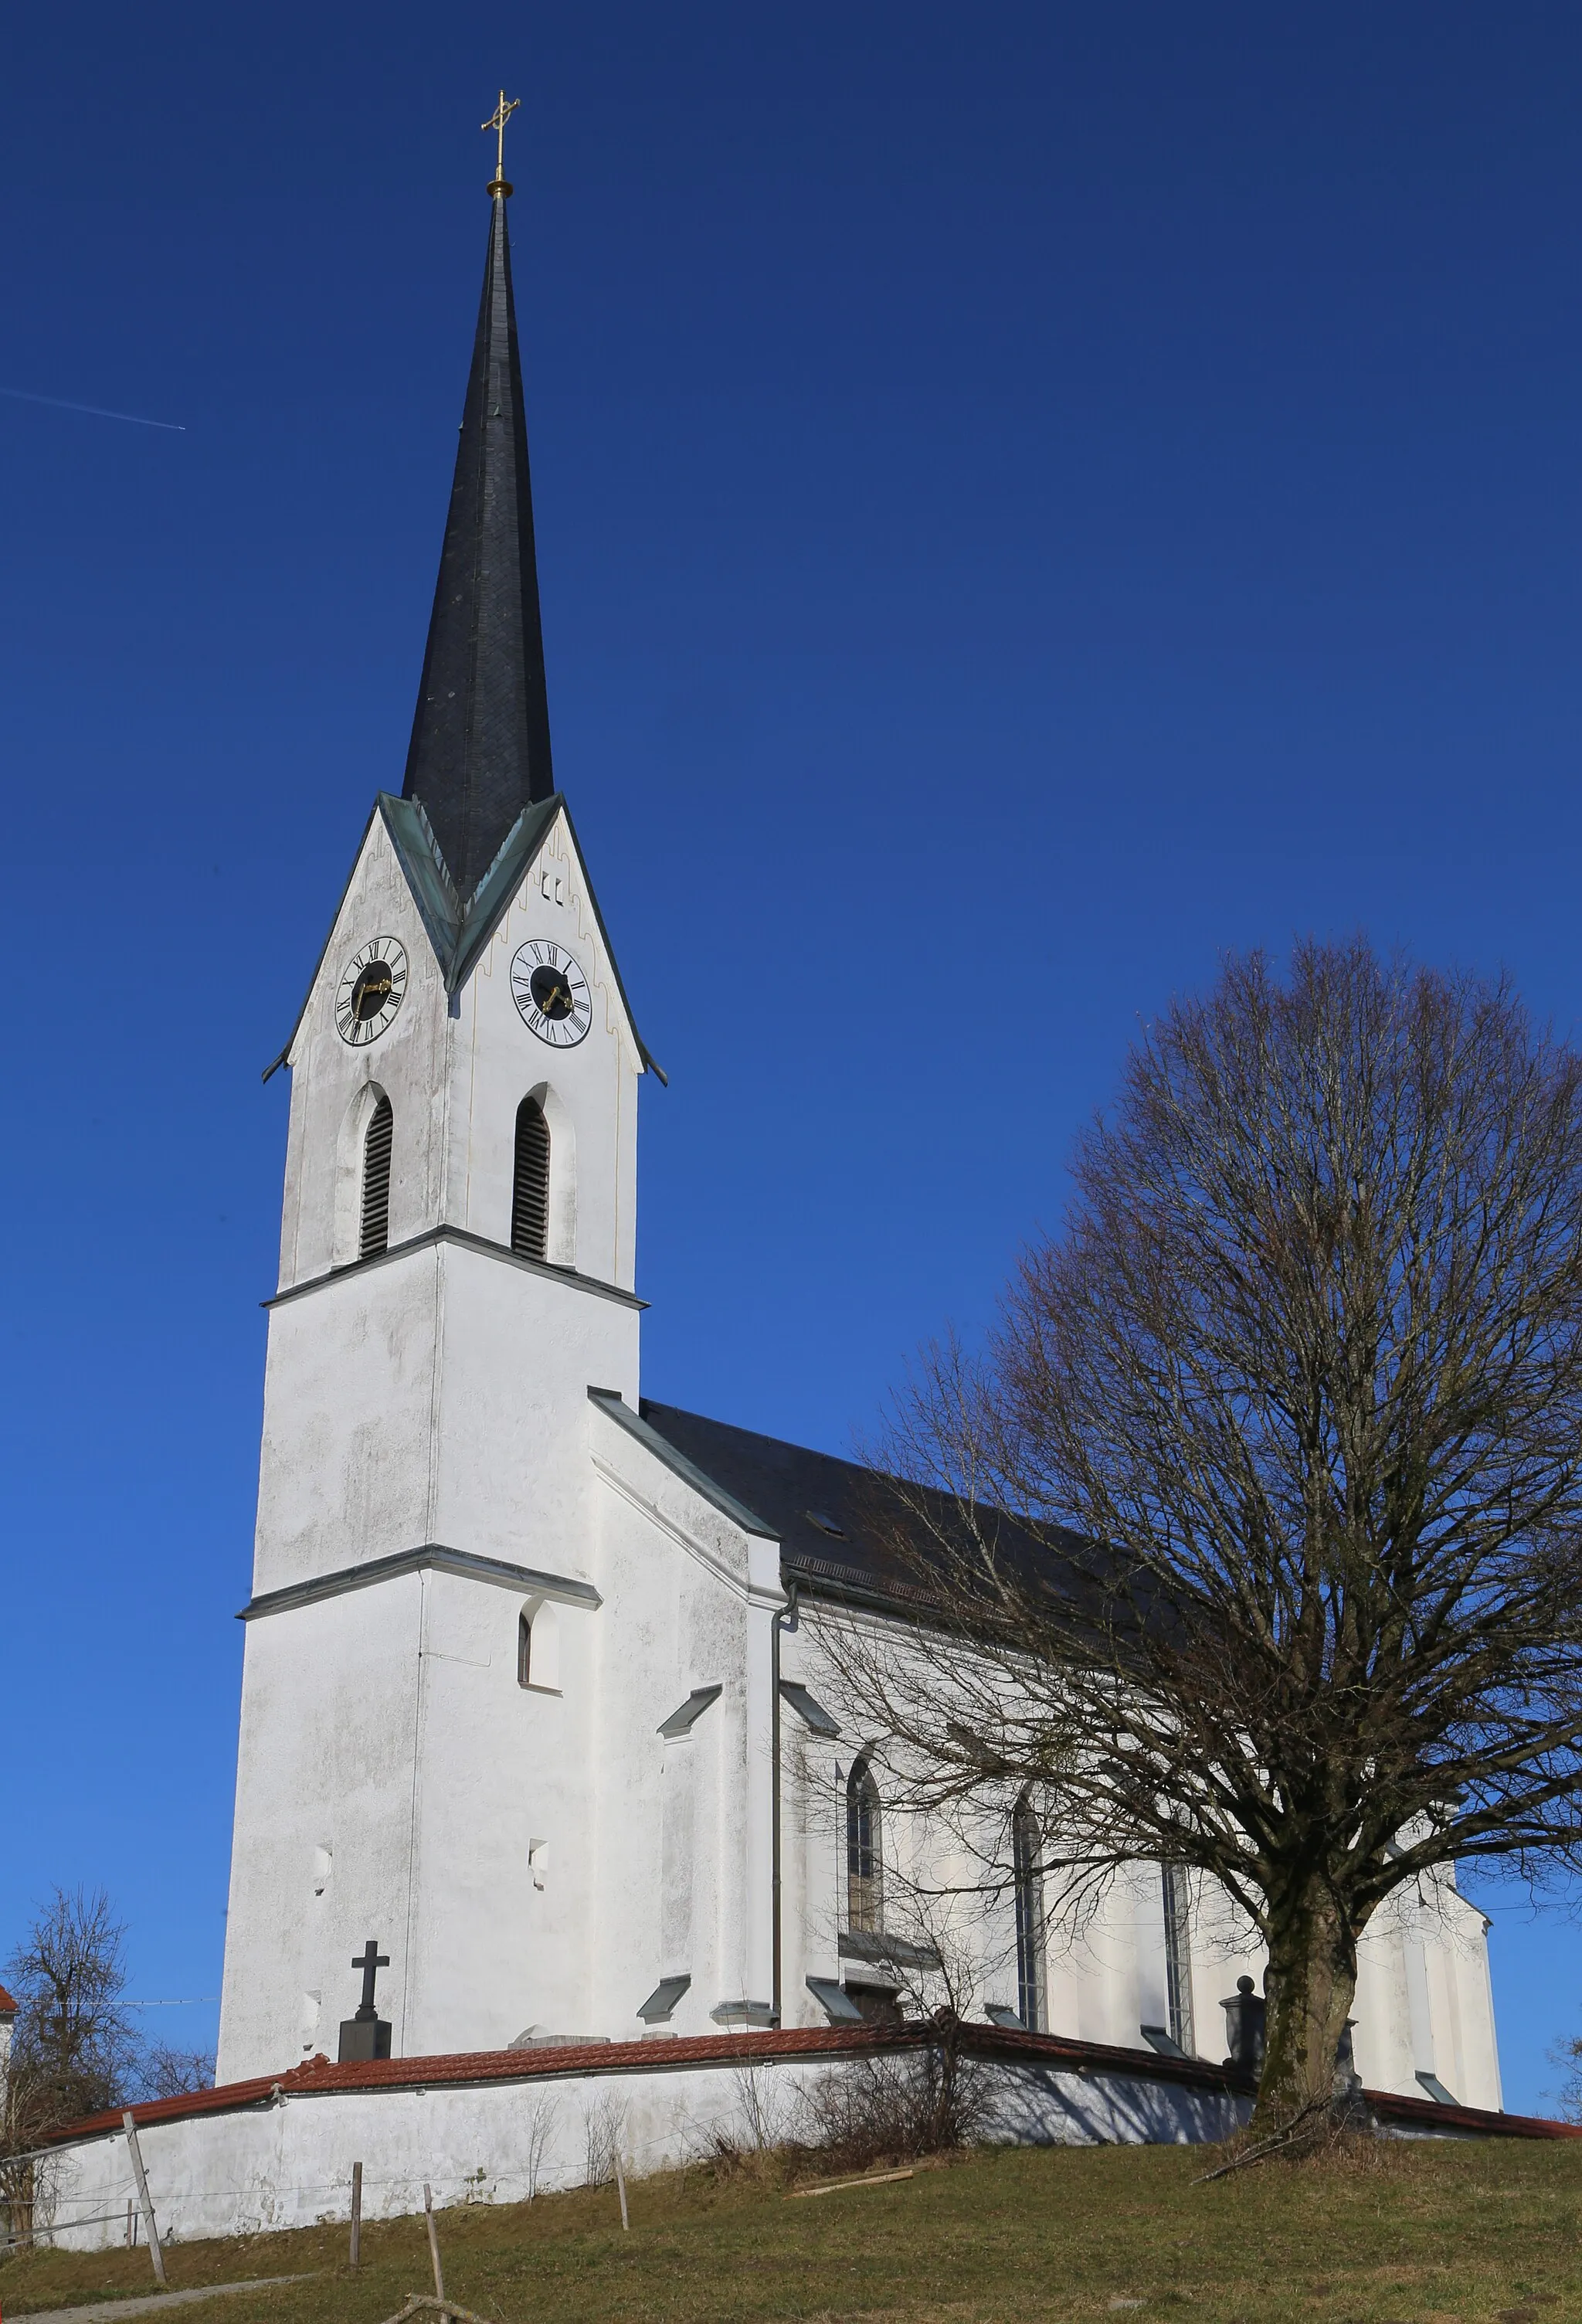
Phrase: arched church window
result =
(529, 1200)
(376, 1145)
(865, 1890)
(1027, 1880)
(524, 1650)
(1178, 1955)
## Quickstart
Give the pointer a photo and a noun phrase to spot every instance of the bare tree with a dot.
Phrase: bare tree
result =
(1567, 2054)
(923, 1936)
(604, 2131)
(1250, 1543)
(73, 2049)
(938, 1946)
(166, 2073)
(538, 2131)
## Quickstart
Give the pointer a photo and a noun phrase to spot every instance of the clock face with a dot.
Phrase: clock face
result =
(551, 992)
(371, 990)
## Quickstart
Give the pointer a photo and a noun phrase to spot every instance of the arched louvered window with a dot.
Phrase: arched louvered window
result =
(376, 1142)
(530, 1201)
(1027, 1878)
(865, 1877)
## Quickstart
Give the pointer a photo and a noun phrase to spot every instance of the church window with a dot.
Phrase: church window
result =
(376, 1145)
(1178, 1956)
(538, 1648)
(1027, 1880)
(529, 1202)
(865, 1895)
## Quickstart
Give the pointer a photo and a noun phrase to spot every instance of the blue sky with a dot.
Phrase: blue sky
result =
(1028, 498)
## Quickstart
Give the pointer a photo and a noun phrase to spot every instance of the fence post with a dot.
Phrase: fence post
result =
(620, 2191)
(433, 2240)
(356, 2215)
(155, 2254)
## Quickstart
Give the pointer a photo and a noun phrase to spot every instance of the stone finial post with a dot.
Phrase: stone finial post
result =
(1245, 2015)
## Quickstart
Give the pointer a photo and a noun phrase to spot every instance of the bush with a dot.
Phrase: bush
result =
(895, 2108)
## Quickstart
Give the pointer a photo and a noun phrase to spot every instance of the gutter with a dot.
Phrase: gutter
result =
(787, 1618)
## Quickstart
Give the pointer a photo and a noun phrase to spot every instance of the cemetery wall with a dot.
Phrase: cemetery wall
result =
(285, 2160)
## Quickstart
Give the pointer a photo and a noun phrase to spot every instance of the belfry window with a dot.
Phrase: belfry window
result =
(524, 1650)
(374, 1235)
(529, 1199)
(865, 1885)
(1027, 1880)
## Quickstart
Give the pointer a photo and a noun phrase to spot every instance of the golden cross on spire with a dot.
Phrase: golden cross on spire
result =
(497, 121)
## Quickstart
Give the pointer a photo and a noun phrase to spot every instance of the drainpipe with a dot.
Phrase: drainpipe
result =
(787, 1620)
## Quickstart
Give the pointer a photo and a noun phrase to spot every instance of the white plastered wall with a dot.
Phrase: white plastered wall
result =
(690, 1591)
(287, 2164)
(1424, 1997)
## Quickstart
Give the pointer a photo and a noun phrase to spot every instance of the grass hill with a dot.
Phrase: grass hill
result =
(1441, 2232)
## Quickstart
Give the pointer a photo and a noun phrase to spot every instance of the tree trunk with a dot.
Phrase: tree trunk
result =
(17, 2193)
(1310, 1986)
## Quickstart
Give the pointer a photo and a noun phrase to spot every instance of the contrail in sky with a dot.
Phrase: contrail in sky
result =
(60, 404)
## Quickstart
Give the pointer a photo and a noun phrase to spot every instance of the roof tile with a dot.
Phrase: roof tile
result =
(317, 2077)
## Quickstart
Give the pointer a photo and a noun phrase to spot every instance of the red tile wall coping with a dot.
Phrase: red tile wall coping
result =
(317, 2077)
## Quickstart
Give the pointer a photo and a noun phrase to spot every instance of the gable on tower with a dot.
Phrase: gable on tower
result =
(459, 932)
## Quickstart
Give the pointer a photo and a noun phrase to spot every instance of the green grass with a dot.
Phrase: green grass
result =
(1397, 2235)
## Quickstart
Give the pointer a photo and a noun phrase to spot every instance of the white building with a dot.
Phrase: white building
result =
(516, 1704)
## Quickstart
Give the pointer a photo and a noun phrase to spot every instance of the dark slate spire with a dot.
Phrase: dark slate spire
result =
(479, 750)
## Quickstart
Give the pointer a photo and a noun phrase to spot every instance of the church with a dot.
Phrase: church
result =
(536, 1747)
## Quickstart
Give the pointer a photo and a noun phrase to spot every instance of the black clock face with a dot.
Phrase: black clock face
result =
(551, 993)
(371, 990)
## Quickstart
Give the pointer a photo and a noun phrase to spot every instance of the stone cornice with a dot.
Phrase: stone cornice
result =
(433, 1557)
(465, 1240)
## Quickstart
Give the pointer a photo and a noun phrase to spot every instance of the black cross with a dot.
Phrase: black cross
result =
(370, 1962)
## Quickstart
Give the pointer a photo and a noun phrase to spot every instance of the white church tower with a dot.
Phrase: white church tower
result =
(457, 1272)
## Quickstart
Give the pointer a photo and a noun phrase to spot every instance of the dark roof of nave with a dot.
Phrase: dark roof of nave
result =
(480, 747)
(835, 1520)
